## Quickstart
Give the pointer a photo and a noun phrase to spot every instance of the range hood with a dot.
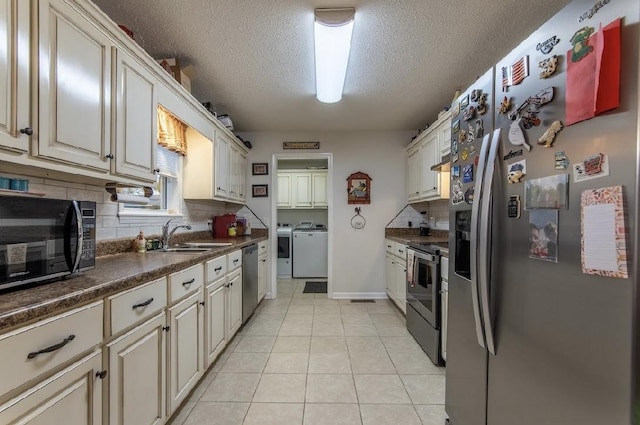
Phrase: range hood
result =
(444, 165)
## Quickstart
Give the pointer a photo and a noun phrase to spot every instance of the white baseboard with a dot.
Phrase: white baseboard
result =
(359, 295)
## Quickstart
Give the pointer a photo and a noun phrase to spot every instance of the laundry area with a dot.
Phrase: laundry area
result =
(302, 217)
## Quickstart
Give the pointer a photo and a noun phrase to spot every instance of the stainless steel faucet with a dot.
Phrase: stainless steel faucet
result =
(166, 234)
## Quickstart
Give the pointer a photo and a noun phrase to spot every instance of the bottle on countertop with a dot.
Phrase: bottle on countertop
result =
(141, 243)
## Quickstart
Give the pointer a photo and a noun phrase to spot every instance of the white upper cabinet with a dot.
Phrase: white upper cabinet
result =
(302, 189)
(284, 190)
(74, 83)
(319, 186)
(427, 150)
(14, 75)
(221, 172)
(136, 118)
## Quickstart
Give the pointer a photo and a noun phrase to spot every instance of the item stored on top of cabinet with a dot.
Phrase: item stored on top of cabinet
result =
(225, 119)
(359, 188)
(260, 169)
(172, 66)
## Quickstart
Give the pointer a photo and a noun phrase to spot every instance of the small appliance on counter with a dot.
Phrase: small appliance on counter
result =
(425, 230)
(221, 224)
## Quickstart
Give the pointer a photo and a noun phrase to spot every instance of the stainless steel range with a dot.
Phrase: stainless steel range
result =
(423, 298)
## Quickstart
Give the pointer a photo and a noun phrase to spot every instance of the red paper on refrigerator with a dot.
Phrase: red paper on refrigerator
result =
(593, 81)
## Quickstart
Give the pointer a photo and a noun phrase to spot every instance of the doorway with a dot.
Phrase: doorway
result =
(302, 196)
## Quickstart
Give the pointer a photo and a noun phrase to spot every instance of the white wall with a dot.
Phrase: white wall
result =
(358, 255)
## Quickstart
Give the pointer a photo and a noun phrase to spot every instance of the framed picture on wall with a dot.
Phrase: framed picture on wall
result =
(260, 190)
(260, 168)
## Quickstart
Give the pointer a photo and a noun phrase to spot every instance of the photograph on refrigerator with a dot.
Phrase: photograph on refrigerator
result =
(543, 235)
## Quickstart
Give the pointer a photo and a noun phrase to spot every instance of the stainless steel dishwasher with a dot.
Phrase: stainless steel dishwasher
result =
(249, 280)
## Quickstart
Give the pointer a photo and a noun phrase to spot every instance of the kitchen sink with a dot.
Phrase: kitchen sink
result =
(205, 244)
(183, 249)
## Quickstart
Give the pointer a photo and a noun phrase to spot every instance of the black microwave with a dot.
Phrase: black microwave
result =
(43, 239)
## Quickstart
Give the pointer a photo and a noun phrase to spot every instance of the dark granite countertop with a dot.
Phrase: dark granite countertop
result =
(441, 240)
(112, 274)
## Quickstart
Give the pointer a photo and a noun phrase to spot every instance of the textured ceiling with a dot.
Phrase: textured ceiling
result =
(254, 59)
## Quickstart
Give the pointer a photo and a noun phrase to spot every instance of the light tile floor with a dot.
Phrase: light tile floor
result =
(303, 359)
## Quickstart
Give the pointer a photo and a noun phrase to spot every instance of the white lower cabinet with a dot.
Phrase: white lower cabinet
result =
(396, 273)
(234, 303)
(262, 276)
(137, 370)
(215, 338)
(186, 336)
(71, 396)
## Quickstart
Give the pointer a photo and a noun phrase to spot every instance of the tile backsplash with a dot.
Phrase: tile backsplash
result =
(412, 213)
(111, 226)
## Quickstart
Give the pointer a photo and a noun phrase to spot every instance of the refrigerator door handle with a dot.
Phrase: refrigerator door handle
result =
(484, 248)
(476, 218)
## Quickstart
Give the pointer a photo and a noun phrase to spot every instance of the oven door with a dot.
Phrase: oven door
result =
(423, 287)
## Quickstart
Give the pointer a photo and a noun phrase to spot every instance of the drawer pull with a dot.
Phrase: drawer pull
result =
(101, 374)
(235, 261)
(188, 282)
(144, 304)
(217, 269)
(51, 349)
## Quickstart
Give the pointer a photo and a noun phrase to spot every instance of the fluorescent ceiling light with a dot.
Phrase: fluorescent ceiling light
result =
(332, 32)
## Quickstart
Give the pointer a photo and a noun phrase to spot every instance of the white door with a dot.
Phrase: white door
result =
(234, 303)
(390, 267)
(319, 187)
(185, 349)
(401, 286)
(74, 88)
(214, 320)
(14, 74)
(221, 172)
(284, 191)
(72, 396)
(137, 117)
(444, 131)
(413, 181)
(302, 187)
(137, 371)
(262, 276)
(429, 156)
(242, 177)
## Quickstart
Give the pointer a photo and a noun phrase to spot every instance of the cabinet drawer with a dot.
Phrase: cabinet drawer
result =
(390, 246)
(234, 260)
(262, 247)
(215, 269)
(185, 282)
(401, 251)
(49, 343)
(134, 305)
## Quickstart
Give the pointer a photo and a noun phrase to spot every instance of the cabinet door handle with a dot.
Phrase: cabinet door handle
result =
(27, 130)
(166, 328)
(230, 283)
(156, 170)
(101, 374)
(201, 303)
(51, 349)
(188, 283)
(143, 304)
(217, 269)
(110, 156)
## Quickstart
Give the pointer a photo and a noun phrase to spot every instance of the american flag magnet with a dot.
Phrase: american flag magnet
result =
(514, 74)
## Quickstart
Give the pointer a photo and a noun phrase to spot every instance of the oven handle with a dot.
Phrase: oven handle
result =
(484, 269)
(476, 218)
(72, 263)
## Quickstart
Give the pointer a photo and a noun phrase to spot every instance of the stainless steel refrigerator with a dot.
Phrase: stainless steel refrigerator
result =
(533, 341)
